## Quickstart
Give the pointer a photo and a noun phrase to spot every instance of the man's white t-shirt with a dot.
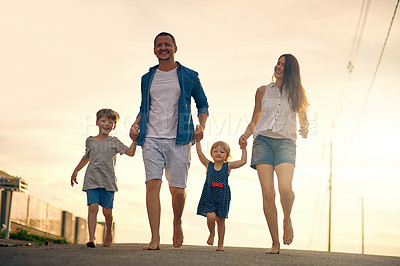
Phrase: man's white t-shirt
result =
(164, 98)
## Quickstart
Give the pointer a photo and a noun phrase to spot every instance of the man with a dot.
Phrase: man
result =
(165, 130)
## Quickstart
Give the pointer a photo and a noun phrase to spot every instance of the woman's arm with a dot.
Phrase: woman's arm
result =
(303, 121)
(255, 118)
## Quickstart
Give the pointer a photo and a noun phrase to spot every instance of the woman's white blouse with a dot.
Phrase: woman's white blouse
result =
(277, 118)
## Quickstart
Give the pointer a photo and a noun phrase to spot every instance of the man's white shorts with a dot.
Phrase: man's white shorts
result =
(160, 154)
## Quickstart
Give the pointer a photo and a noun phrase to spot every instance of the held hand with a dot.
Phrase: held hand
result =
(243, 141)
(303, 131)
(134, 132)
(73, 179)
(198, 133)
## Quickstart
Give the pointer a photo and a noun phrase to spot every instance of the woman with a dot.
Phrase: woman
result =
(274, 128)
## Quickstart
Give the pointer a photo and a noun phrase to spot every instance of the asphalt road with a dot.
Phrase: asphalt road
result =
(18, 253)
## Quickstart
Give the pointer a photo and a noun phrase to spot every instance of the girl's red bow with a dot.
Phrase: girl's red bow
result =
(215, 184)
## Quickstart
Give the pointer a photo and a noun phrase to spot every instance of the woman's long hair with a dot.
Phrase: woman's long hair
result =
(292, 84)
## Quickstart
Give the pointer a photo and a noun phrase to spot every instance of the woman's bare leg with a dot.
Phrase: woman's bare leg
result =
(285, 173)
(266, 177)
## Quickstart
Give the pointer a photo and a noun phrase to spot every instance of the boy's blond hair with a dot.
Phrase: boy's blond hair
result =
(108, 113)
(224, 146)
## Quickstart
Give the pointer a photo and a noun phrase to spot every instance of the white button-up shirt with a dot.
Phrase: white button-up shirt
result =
(277, 118)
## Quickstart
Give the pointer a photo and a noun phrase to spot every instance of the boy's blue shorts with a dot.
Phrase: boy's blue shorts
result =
(101, 196)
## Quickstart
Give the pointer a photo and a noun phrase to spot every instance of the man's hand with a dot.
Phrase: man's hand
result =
(134, 132)
(198, 133)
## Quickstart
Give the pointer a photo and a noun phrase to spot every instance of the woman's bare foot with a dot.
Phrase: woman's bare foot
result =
(274, 249)
(177, 238)
(210, 240)
(108, 239)
(287, 232)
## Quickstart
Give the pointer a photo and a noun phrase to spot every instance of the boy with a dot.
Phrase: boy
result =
(100, 180)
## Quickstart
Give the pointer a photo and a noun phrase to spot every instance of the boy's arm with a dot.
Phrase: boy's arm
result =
(132, 149)
(80, 165)
(201, 155)
(241, 162)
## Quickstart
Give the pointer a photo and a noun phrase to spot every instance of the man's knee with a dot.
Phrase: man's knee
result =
(153, 185)
(178, 193)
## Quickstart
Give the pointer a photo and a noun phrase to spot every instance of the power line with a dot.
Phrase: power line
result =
(370, 87)
(352, 59)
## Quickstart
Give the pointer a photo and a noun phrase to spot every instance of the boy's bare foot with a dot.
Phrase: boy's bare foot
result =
(107, 240)
(91, 244)
(152, 246)
(287, 232)
(177, 238)
(274, 249)
(210, 240)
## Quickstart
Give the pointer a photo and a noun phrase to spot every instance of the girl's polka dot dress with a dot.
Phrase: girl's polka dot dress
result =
(216, 195)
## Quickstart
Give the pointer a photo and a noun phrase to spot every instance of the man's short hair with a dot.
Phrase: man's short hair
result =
(164, 34)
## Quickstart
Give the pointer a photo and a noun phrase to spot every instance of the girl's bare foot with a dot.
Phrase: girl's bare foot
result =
(287, 232)
(210, 240)
(274, 249)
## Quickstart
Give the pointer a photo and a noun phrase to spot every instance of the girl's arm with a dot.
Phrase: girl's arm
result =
(201, 155)
(239, 163)
(132, 149)
(303, 121)
(256, 117)
(80, 165)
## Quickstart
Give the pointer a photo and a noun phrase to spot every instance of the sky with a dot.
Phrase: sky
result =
(62, 61)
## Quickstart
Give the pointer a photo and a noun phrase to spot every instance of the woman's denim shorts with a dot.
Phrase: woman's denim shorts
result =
(272, 151)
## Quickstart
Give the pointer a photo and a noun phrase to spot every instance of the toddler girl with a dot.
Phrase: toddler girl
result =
(216, 195)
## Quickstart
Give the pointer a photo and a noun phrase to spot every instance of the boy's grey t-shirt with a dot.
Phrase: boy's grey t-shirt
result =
(102, 155)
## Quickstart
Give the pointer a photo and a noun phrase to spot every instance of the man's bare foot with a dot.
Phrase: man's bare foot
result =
(107, 239)
(152, 246)
(287, 232)
(210, 240)
(220, 248)
(274, 249)
(177, 238)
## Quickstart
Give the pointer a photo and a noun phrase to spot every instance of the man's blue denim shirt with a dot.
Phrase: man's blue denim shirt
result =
(190, 87)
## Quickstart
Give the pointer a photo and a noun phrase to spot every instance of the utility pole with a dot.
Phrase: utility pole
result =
(330, 200)
(362, 225)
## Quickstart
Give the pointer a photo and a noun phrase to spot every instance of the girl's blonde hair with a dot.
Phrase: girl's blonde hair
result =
(224, 146)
